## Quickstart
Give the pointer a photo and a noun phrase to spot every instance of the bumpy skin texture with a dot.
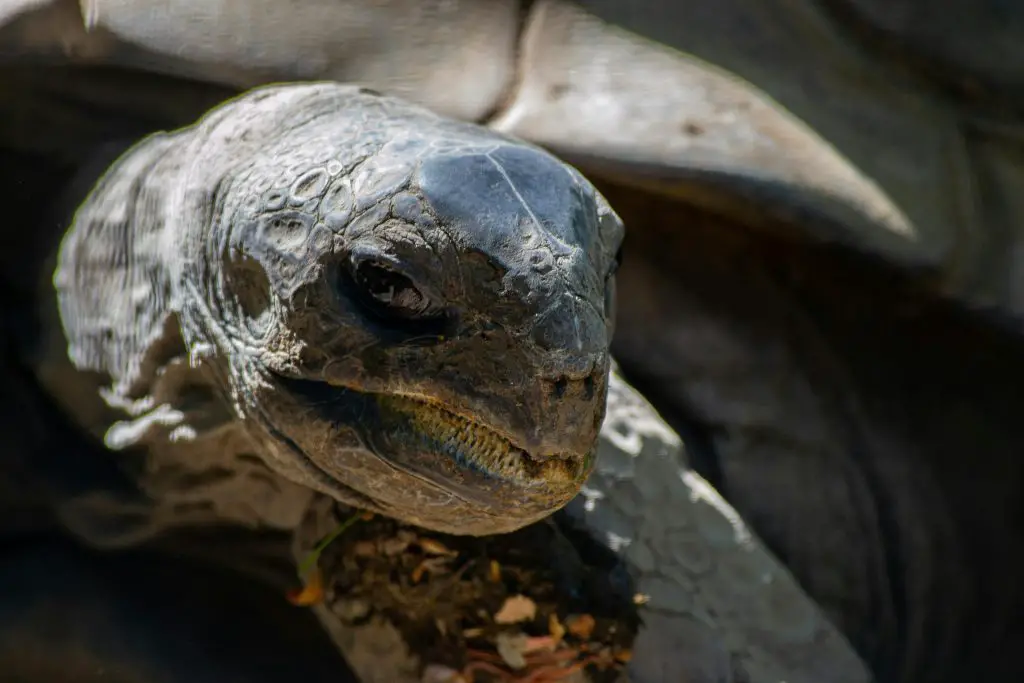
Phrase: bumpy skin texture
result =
(409, 314)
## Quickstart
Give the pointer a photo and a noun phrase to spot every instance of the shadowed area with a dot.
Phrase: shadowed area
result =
(69, 615)
(869, 431)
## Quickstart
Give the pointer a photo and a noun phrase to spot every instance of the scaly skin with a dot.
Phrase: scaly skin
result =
(406, 313)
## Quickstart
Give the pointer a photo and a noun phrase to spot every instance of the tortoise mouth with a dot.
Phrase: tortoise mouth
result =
(424, 423)
(417, 432)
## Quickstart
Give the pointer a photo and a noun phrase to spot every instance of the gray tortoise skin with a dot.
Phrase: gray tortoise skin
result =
(407, 313)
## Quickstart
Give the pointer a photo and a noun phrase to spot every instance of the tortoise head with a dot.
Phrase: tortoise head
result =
(413, 315)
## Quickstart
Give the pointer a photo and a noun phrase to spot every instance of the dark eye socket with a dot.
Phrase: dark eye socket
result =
(389, 292)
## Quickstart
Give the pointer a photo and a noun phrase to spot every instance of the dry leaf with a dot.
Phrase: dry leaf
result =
(432, 547)
(310, 594)
(511, 647)
(516, 608)
(555, 627)
(434, 565)
(580, 625)
(537, 643)
(394, 546)
(495, 571)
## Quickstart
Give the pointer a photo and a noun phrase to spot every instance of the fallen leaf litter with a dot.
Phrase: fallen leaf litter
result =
(526, 607)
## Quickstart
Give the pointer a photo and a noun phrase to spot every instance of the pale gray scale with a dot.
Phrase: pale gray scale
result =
(403, 146)
(274, 200)
(245, 178)
(343, 135)
(298, 164)
(285, 231)
(310, 206)
(356, 153)
(367, 222)
(288, 274)
(308, 187)
(259, 183)
(285, 179)
(252, 204)
(376, 183)
(281, 243)
(443, 146)
(336, 207)
(321, 240)
(410, 208)
(302, 162)
(359, 153)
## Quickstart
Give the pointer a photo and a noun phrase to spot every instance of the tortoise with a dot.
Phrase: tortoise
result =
(790, 302)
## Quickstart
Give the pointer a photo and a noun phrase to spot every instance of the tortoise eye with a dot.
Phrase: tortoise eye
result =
(389, 292)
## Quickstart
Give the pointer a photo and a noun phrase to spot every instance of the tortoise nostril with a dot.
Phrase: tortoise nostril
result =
(564, 386)
(588, 387)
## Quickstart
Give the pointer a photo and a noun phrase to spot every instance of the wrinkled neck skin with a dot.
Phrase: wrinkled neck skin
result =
(316, 288)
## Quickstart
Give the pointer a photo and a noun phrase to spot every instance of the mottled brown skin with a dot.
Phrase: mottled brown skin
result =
(407, 313)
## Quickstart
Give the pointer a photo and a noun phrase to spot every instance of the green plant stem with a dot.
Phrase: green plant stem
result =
(314, 555)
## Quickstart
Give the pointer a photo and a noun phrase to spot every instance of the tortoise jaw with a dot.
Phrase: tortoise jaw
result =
(423, 435)
(426, 424)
